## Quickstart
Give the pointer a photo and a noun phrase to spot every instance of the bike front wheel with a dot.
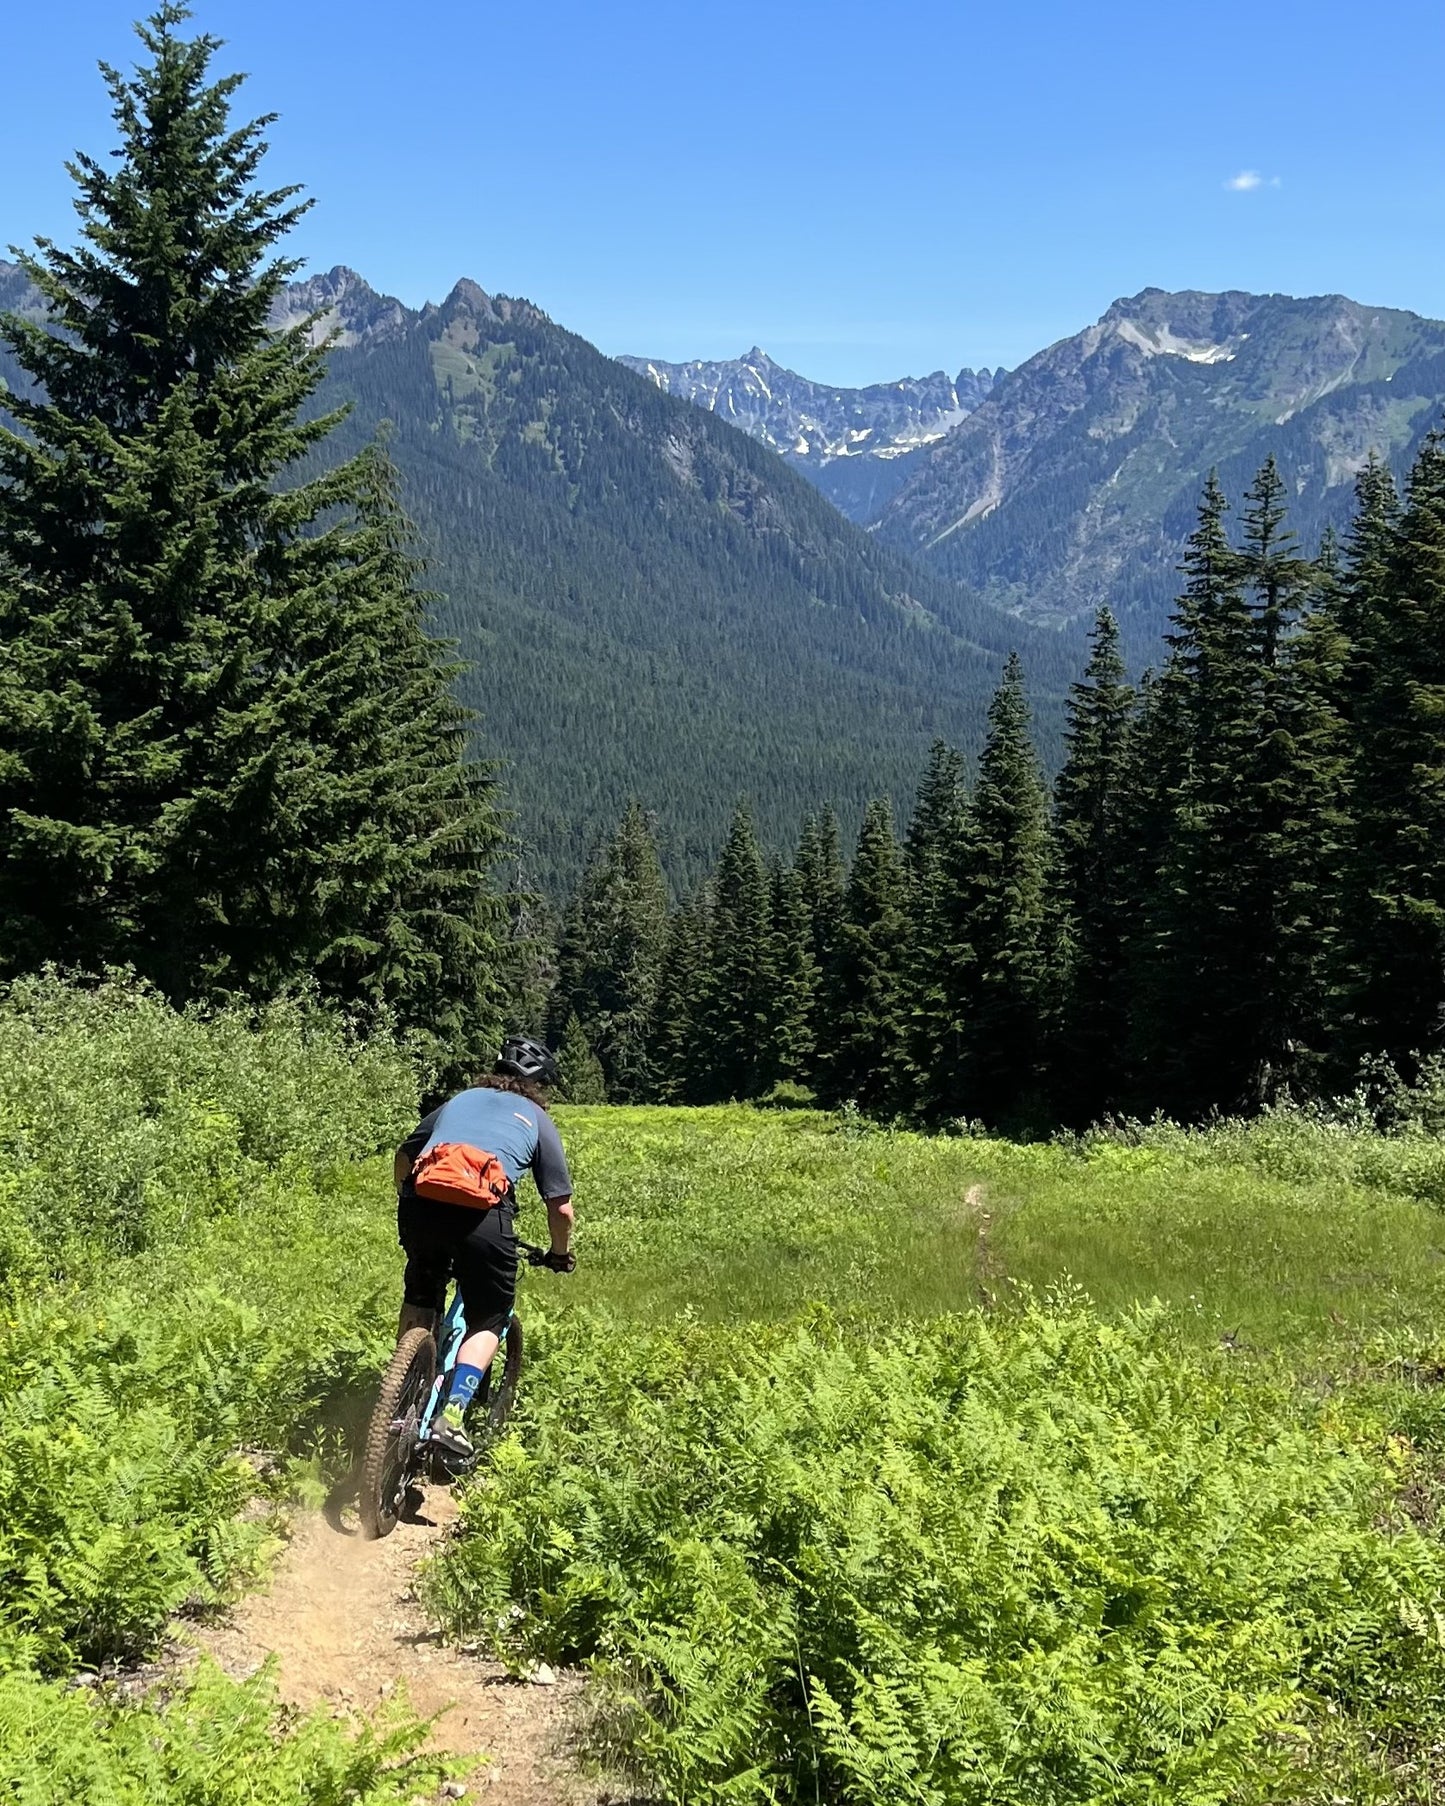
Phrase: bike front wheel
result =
(392, 1435)
(502, 1390)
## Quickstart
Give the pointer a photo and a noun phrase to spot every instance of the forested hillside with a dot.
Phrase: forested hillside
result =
(651, 603)
(1234, 894)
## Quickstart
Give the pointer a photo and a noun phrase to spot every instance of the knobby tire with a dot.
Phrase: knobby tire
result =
(385, 1462)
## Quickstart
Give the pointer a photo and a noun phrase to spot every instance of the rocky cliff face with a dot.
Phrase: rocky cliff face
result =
(349, 310)
(853, 443)
(347, 306)
(1075, 481)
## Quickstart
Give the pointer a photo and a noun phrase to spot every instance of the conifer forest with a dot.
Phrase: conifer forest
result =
(1232, 893)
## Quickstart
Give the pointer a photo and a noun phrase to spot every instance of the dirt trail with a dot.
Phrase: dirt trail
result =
(342, 1618)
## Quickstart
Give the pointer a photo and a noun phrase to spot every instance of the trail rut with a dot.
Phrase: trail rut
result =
(342, 1618)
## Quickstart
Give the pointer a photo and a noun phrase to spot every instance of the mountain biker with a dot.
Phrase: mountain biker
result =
(502, 1116)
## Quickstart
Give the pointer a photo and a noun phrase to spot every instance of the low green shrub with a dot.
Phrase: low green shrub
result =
(124, 1122)
(1387, 1136)
(213, 1742)
(138, 1417)
(1034, 1558)
(198, 1283)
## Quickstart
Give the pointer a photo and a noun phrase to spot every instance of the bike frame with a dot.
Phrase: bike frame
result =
(450, 1336)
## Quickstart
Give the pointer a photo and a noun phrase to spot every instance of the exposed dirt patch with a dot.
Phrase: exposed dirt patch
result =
(975, 1204)
(342, 1617)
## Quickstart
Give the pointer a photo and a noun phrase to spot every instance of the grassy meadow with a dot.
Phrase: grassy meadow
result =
(861, 1466)
(865, 1466)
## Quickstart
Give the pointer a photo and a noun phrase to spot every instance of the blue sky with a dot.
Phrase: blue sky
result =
(864, 190)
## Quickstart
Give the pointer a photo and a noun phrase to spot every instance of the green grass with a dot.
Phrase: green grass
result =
(861, 1465)
(1146, 1529)
(1303, 1265)
(737, 1214)
(734, 1214)
(471, 373)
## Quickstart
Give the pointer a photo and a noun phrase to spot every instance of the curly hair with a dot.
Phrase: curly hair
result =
(506, 1081)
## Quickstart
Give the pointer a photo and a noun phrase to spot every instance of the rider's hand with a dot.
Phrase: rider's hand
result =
(560, 1263)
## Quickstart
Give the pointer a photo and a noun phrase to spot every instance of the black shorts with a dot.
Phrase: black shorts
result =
(477, 1247)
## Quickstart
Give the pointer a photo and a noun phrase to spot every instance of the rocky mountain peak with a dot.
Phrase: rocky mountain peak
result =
(850, 442)
(466, 293)
(1130, 414)
(348, 309)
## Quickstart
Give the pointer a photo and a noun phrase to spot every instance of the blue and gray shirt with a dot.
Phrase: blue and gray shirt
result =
(520, 1133)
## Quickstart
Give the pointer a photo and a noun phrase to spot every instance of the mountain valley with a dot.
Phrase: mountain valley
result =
(654, 597)
(650, 603)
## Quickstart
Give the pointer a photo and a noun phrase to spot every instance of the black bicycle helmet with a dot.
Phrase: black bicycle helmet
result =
(525, 1058)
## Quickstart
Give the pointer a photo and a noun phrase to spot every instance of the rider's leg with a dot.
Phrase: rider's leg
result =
(416, 1316)
(425, 1280)
(479, 1349)
(486, 1270)
(474, 1357)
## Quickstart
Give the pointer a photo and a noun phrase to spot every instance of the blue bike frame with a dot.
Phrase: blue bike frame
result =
(450, 1336)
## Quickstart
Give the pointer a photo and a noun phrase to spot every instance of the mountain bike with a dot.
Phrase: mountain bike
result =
(399, 1449)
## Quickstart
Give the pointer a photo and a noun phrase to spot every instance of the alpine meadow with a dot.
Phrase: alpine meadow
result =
(1001, 1066)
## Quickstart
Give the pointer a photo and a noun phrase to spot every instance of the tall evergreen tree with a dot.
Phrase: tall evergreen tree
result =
(821, 879)
(1293, 790)
(228, 751)
(1362, 601)
(676, 1046)
(1397, 861)
(1096, 881)
(579, 1072)
(1193, 1003)
(792, 981)
(993, 955)
(863, 1055)
(611, 954)
(527, 969)
(1235, 962)
(1362, 605)
(737, 1006)
(940, 814)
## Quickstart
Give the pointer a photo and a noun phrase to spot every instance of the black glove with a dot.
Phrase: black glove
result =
(560, 1263)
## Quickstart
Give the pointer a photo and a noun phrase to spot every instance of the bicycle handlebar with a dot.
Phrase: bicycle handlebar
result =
(544, 1257)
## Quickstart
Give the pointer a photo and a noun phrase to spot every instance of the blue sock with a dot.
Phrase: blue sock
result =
(465, 1381)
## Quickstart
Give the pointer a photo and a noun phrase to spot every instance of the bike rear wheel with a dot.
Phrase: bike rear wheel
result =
(391, 1436)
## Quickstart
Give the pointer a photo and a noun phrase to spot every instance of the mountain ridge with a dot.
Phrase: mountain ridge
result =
(650, 603)
(1075, 481)
(852, 443)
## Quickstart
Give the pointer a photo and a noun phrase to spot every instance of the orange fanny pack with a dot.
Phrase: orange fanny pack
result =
(453, 1172)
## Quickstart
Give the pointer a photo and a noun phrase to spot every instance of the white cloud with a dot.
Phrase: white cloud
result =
(1245, 180)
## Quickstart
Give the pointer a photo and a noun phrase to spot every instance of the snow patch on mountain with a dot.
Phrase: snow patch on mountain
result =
(1163, 342)
(812, 423)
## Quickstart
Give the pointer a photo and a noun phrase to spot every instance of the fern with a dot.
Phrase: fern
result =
(1039, 1560)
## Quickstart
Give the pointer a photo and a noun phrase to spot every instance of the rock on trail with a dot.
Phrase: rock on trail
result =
(343, 1621)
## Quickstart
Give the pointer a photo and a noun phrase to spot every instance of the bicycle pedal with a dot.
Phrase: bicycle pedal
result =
(447, 1469)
